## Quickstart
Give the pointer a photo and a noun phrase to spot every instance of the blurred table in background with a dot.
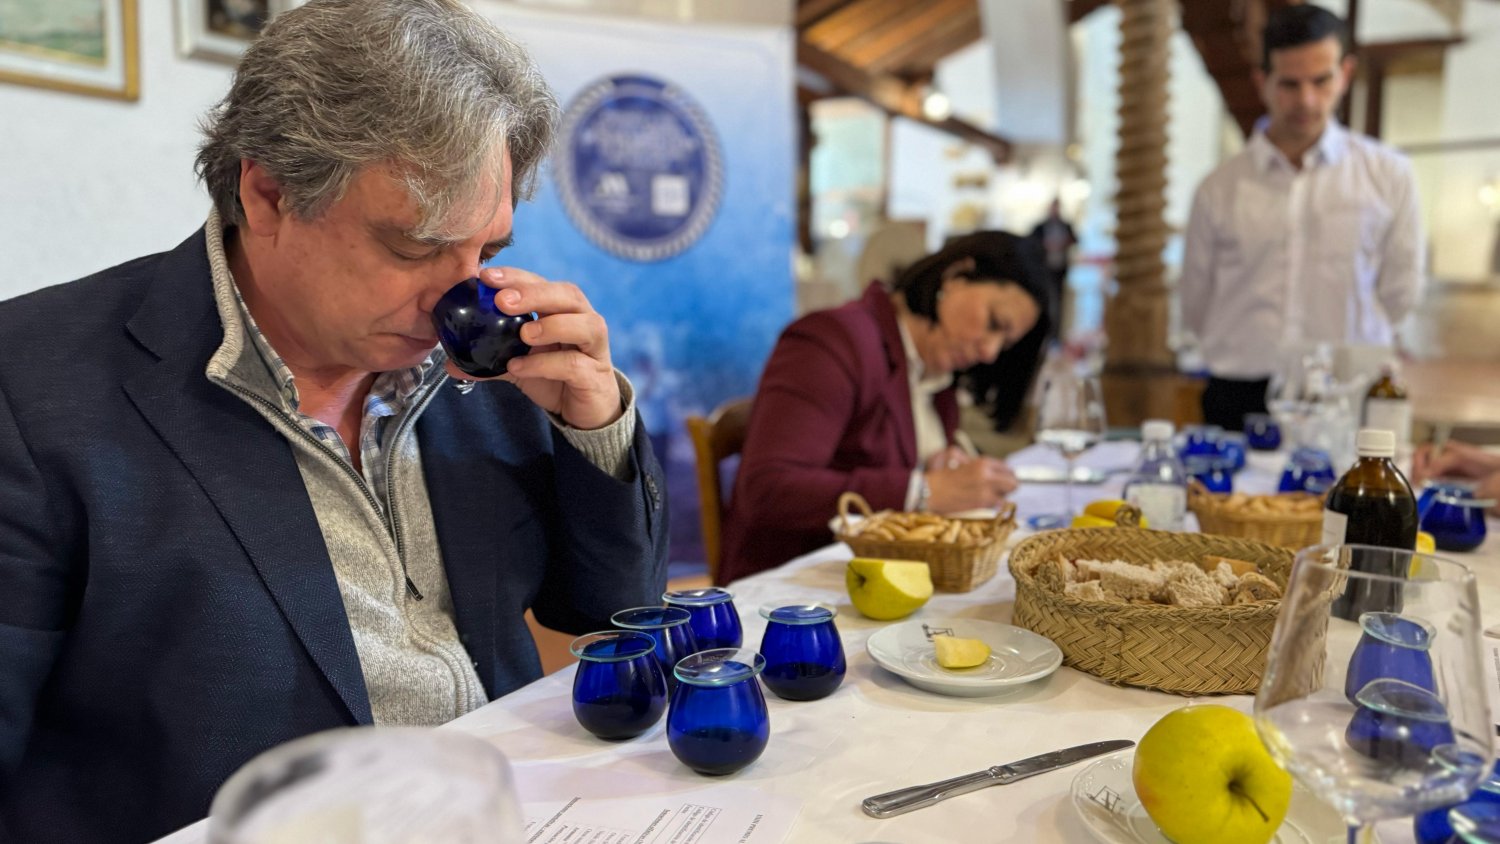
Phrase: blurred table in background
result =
(1461, 395)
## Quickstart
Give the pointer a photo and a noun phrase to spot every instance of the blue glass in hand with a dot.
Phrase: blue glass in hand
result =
(668, 626)
(1398, 723)
(1479, 813)
(1211, 471)
(1308, 470)
(1456, 522)
(715, 621)
(718, 722)
(1392, 646)
(1261, 432)
(479, 338)
(804, 654)
(619, 690)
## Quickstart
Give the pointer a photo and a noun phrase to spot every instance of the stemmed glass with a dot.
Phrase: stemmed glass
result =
(1392, 747)
(1070, 418)
(371, 785)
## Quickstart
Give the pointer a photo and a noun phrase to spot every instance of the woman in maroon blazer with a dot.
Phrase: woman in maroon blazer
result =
(861, 398)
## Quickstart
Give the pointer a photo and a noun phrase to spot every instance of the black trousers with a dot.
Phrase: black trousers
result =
(1226, 401)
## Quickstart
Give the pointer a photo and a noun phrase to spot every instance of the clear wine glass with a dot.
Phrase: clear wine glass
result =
(371, 785)
(1070, 418)
(1401, 743)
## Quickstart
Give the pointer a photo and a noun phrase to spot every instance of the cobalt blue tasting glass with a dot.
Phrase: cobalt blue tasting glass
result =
(715, 621)
(1262, 432)
(1232, 447)
(1212, 471)
(1391, 646)
(479, 338)
(803, 651)
(1432, 489)
(1308, 470)
(1479, 813)
(718, 721)
(619, 690)
(1201, 440)
(668, 626)
(1456, 522)
(1398, 723)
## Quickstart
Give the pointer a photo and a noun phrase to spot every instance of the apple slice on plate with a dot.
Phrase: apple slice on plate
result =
(1105, 799)
(1015, 656)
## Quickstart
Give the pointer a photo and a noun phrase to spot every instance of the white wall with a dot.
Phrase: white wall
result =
(86, 183)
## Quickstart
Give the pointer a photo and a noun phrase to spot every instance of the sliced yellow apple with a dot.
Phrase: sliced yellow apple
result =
(953, 652)
(888, 589)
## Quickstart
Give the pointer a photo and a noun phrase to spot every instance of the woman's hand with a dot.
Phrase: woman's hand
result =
(977, 482)
(568, 371)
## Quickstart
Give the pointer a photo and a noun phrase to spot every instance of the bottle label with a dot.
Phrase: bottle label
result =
(1163, 505)
(1392, 415)
(1335, 527)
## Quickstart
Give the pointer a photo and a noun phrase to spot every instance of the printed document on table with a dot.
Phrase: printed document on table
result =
(565, 805)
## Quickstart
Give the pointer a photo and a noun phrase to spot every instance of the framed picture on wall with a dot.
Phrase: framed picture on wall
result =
(221, 29)
(80, 46)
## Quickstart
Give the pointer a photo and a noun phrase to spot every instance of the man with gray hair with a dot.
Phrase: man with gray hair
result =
(255, 507)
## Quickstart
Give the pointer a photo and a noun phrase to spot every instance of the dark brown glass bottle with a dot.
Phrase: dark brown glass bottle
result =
(1372, 504)
(1388, 408)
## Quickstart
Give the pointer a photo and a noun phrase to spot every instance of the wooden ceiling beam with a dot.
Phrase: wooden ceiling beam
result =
(852, 22)
(913, 37)
(909, 23)
(896, 98)
(1080, 9)
(939, 46)
(810, 12)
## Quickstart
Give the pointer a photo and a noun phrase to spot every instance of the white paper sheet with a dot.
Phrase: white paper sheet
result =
(566, 805)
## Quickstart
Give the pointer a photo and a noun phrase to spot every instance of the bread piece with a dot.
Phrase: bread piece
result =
(1195, 593)
(1256, 587)
(1089, 569)
(1088, 590)
(1210, 562)
(1131, 582)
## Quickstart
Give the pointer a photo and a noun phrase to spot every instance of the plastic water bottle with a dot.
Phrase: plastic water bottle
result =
(1158, 487)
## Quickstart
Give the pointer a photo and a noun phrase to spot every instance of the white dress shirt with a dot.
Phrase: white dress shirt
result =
(931, 438)
(1277, 259)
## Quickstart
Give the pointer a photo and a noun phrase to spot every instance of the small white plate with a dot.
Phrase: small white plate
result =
(1016, 656)
(1105, 800)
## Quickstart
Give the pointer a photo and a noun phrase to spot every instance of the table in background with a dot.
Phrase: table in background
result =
(877, 733)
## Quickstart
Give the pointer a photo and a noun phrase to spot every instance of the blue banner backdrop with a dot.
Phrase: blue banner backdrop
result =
(695, 287)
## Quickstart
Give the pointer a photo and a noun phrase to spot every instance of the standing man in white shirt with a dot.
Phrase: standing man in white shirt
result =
(1310, 234)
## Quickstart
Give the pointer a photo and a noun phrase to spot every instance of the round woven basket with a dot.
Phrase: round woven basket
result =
(1184, 650)
(1289, 530)
(955, 567)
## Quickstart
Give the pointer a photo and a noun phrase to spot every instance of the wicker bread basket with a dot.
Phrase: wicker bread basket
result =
(1294, 530)
(1184, 650)
(956, 567)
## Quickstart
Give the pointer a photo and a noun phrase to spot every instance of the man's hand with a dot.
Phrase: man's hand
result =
(568, 371)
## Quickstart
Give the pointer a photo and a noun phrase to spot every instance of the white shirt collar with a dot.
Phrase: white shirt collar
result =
(916, 371)
(1329, 149)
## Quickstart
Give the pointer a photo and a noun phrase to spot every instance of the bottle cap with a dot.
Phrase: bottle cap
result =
(1156, 429)
(1372, 442)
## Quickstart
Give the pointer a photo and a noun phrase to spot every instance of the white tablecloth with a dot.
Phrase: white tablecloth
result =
(877, 733)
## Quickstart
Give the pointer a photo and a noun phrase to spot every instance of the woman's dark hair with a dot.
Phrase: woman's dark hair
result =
(1294, 26)
(998, 387)
(998, 256)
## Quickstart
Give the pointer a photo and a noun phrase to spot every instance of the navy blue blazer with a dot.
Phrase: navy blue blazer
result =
(167, 606)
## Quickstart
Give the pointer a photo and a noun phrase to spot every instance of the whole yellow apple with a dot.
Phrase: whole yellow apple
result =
(1204, 777)
(888, 589)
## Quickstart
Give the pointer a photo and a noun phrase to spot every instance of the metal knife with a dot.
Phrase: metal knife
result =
(904, 800)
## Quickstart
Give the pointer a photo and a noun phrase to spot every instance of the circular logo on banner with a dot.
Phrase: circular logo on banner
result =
(640, 171)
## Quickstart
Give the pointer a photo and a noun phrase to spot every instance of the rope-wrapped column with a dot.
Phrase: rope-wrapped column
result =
(1140, 377)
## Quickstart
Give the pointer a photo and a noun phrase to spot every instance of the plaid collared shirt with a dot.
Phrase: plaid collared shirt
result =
(389, 396)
